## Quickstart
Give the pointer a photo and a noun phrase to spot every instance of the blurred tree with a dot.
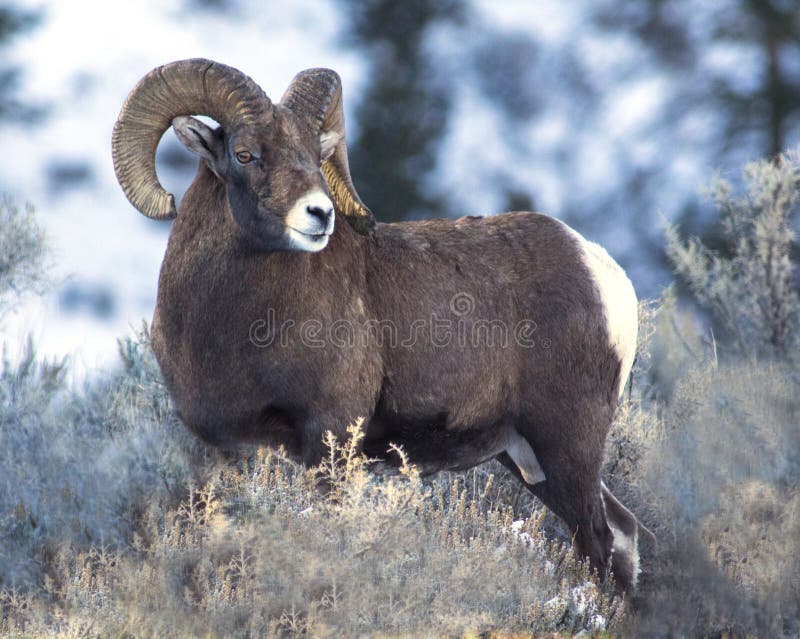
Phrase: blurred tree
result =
(525, 80)
(14, 22)
(730, 75)
(402, 114)
(737, 59)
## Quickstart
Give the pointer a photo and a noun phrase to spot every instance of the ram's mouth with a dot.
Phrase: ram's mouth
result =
(308, 242)
(313, 236)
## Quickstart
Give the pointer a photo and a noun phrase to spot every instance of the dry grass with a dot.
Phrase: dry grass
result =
(715, 472)
(115, 522)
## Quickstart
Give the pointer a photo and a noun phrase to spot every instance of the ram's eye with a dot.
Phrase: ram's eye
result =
(244, 157)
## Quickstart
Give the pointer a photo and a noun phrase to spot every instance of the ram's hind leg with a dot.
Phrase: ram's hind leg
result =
(605, 531)
(626, 528)
(578, 501)
(570, 467)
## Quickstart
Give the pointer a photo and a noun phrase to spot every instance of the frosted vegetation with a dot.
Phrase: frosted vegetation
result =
(22, 254)
(752, 288)
(114, 521)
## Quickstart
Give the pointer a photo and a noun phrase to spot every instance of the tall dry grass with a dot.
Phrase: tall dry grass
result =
(116, 522)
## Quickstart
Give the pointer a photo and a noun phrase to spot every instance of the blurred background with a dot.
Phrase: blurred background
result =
(609, 114)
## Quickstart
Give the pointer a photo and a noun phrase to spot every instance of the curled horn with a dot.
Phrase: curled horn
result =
(186, 87)
(315, 95)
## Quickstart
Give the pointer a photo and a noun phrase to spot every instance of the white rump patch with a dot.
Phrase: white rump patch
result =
(619, 300)
(523, 456)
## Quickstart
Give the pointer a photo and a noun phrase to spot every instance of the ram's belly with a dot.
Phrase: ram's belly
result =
(444, 417)
(430, 445)
(459, 388)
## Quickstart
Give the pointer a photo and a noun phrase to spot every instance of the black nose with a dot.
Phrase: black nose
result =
(318, 212)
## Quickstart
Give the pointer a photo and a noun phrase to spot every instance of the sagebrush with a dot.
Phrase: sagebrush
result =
(753, 290)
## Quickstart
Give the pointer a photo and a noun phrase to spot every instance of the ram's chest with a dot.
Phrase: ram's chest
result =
(204, 352)
(234, 342)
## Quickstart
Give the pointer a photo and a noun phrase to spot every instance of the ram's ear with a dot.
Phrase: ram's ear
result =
(201, 139)
(328, 140)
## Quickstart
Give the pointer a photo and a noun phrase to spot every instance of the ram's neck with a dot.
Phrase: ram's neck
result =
(204, 207)
(211, 268)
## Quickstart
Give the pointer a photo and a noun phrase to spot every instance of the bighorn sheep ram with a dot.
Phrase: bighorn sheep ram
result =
(268, 304)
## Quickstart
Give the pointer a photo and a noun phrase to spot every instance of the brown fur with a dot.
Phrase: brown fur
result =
(444, 404)
(449, 403)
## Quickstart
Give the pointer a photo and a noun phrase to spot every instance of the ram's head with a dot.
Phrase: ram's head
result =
(281, 164)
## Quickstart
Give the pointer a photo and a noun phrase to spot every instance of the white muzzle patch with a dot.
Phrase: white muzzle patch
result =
(309, 223)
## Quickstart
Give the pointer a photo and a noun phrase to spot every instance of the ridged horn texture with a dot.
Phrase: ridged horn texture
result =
(315, 95)
(186, 87)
